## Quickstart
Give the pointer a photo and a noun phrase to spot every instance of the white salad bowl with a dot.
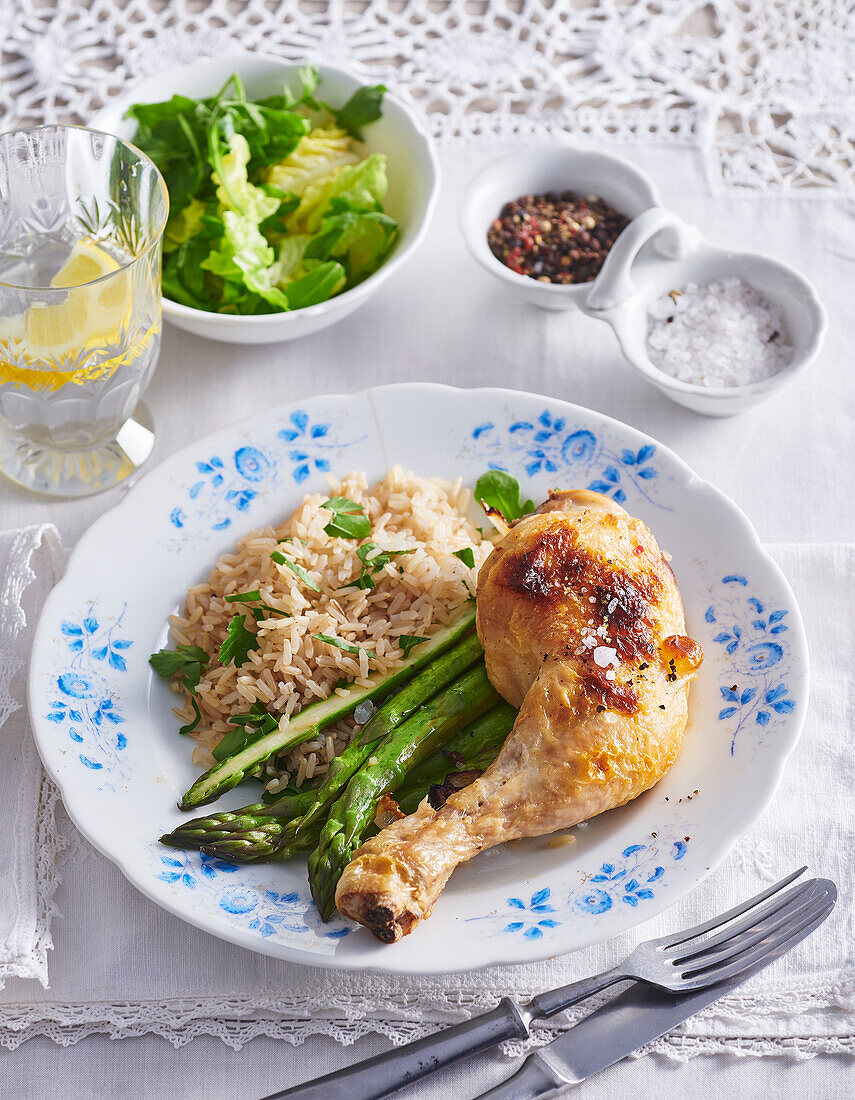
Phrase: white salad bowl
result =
(413, 182)
(532, 171)
(105, 729)
(659, 253)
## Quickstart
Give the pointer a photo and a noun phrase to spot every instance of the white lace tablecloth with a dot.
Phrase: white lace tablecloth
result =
(744, 115)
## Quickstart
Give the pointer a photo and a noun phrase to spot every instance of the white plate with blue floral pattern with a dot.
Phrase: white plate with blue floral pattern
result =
(107, 735)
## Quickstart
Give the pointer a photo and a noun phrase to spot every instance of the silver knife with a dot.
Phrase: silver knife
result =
(626, 1023)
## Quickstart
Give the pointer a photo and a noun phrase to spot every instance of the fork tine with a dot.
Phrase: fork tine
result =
(788, 938)
(723, 918)
(719, 953)
(799, 895)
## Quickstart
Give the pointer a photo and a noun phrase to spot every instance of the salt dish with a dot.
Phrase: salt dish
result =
(657, 254)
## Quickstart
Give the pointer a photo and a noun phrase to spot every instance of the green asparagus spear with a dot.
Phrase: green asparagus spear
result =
(203, 830)
(289, 823)
(394, 711)
(315, 717)
(435, 721)
(477, 747)
(260, 826)
(420, 736)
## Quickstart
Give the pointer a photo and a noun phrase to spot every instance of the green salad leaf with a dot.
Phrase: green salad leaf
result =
(498, 491)
(364, 106)
(271, 208)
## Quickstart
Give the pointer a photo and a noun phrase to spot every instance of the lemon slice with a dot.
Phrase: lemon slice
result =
(86, 262)
(53, 343)
(91, 314)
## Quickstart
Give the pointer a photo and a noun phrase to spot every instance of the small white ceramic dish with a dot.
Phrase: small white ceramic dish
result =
(531, 171)
(107, 735)
(657, 253)
(413, 182)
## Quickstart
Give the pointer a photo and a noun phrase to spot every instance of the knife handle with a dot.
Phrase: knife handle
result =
(534, 1078)
(383, 1074)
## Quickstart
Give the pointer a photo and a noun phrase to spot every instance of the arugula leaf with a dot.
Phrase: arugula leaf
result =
(297, 570)
(238, 643)
(466, 556)
(498, 491)
(318, 285)
(408, 642)
(342, 645)
(364, 106)
(349, 519)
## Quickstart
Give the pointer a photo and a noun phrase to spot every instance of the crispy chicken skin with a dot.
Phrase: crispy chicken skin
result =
(583, 630)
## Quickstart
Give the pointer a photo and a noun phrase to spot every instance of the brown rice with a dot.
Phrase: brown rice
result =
(415, 594)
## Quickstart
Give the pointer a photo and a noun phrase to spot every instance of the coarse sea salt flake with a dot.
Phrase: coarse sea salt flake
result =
(718, 335)
(604, 656)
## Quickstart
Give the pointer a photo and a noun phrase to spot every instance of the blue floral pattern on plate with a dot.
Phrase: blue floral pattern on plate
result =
(753, 637)
(630, 880)
(85, 706)
(227, 483)
(549, 444)
(268, 913)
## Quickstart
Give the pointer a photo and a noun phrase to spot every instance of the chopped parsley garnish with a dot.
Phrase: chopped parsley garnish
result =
(189, 659)
(297, 570)
(408, 642)
(239, 643)
(252, 598)
(497, 491)
(466, 556)
(249, 728)
(373, 559)
(349, 519)
(339, 644)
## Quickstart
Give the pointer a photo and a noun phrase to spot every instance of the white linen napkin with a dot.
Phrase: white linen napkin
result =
(124, 967)
(28, 854)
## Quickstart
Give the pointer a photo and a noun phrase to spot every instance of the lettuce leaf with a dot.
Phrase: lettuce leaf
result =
(184, 225)
(361, 239)
(234, 190)
(363, 185)
(318, 155)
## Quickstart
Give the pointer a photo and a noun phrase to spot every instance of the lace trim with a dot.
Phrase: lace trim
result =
(764, 87)
(29, 960)
(238, 1021)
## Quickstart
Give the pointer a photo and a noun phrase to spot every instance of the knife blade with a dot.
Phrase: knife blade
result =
(629, 1021)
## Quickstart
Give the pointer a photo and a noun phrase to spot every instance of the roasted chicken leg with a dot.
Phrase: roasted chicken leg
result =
(583, 630)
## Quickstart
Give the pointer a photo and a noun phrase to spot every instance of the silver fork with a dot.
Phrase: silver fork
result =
(697, 957)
